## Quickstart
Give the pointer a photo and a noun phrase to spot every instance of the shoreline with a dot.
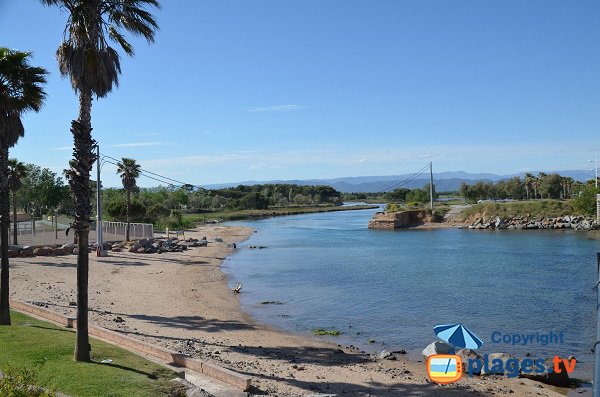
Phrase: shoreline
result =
(240, 215)
(182, 301)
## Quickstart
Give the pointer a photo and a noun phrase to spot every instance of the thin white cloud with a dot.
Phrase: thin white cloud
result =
(61, 148)
(276, 108)
(137, 144)
(150, 134)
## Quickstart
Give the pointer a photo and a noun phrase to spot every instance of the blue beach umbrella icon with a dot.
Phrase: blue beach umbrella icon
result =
(458, 335)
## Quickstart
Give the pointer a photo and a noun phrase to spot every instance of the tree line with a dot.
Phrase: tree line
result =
(39, 191)
(531, 187)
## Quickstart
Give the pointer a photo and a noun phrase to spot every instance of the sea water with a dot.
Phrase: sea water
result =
(387, 289)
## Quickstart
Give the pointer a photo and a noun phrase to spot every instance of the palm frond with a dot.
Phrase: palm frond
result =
(21, 90)
(85, 55)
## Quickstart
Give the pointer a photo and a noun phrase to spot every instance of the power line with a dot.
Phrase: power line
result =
(144, 175)
(407, 180)
(144, 172)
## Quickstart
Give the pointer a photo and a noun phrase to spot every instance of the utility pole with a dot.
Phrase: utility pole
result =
(596, 170)
(596, 383)
(100, 249)
(431, 185)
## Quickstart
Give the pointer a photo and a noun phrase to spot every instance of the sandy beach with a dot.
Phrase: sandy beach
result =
(182, 301)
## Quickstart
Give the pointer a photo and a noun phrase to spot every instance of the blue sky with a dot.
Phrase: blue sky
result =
(271, 89)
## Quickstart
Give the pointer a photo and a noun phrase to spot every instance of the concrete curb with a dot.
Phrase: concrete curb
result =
(137, 346)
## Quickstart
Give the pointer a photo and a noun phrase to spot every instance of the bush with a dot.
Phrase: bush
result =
(585, 202)
(392, 208)
(22, 383)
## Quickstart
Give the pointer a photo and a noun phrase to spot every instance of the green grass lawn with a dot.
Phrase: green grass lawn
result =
(47, 350)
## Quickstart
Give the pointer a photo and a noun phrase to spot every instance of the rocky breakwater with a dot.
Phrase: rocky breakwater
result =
(571, 222)
(399, 220)
(143, 246)
(160, 245)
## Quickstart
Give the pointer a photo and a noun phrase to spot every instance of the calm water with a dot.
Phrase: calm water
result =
(330, 271)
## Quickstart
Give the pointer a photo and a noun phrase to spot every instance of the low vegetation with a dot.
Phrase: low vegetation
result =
(329, 332)
(47, 351)
(530, 209)
(22, 383)
(191, 219)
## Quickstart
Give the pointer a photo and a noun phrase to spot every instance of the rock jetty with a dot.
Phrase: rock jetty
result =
(143, 246)
(572, 222)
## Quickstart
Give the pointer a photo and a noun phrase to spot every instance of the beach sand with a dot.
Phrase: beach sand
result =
(181, 301)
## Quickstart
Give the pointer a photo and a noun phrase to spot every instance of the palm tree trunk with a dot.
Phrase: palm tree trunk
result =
(79, 181)
(15, 224)
(128, 207)
(4, 222)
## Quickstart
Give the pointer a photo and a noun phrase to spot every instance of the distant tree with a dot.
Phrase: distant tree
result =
(550, 186)
(418, 195)
(21, 91)
(16, 172)
(41, 190)
(397, 195)
(129, 171)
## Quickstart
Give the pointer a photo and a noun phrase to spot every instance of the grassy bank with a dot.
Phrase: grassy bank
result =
(47, 350)
(249, 214)
(530, 209)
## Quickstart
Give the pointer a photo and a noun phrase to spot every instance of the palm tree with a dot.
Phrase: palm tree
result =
(16, 172)
(528, 183)
(129, 171)
(93, 67)
(20, 91)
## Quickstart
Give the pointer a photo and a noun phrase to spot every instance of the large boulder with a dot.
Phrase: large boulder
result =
(13, 253)
(465, 355)
(560, 379)
(42, 251)
(135, 247)
(68, 248)
(58, 251)
(145, 242)
(26, 252)
(492, 370)
(499, 223)
(386, 355)
(438, 347)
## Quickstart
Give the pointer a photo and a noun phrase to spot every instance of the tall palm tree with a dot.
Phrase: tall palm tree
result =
(16, 172)
(129, 171)
(528, 183)
(93, 67)
(20, 91)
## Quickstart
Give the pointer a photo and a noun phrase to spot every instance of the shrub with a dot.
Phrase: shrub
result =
(22, 383)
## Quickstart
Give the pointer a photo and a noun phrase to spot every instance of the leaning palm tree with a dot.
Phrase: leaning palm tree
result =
(93, 67)
(129, 171)
(20, 91)
(16, 172)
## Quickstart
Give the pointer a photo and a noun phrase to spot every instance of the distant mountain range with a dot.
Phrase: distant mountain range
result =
(444, 181)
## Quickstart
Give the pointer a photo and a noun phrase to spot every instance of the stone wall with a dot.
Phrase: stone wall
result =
(399, 220)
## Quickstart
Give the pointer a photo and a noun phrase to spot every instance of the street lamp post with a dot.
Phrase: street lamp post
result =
(100, 249)
(596, 170)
